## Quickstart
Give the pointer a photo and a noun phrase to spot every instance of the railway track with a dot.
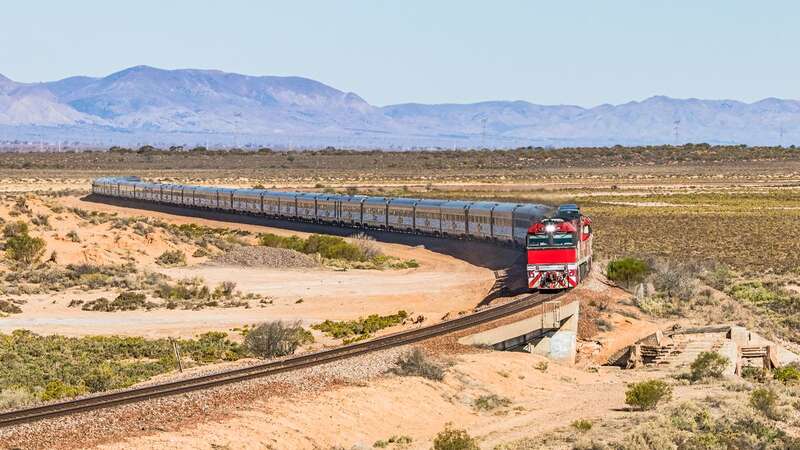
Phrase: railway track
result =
(101, 401)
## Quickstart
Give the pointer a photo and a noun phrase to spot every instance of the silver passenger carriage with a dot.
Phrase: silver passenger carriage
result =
(454, 218)
(307, 206)
(428, 216)
(374, 212)
(148, 191)
(503, 221)
(329, 207)
(225, 198)
(287, 205)
(479, 220)
(400, 214)
(271, 203)
(172, 194)
(247, 200)
(351, 210)
(205, 197)
(187, 198)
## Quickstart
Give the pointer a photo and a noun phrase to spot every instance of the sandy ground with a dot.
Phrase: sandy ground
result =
(541, 401)
(440, 285)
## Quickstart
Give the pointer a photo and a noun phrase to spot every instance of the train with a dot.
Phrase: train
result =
(503, 223)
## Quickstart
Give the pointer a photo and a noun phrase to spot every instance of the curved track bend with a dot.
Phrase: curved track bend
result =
(272, 367)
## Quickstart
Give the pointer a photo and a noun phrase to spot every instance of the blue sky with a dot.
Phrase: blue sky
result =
(570, 52)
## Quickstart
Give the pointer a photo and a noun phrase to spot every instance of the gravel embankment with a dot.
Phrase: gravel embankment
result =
(259, 256)
(87, 429)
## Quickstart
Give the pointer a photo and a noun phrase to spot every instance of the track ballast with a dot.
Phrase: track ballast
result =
(101, 401)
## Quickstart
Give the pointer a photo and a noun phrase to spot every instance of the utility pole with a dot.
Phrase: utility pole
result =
(676, 128)
(781, 139)
(483, 132)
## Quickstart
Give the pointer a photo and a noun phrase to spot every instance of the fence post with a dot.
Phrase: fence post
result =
(177, 351)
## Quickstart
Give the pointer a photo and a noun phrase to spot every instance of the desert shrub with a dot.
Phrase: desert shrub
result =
(399, 440)
(185, 289)
(753, 373)
(171, 258)
(333, 247)
(765, 400)
(582, 425)
(24, 249)
(42, 220)
(273, 339)
(627, 271)
(708, 365)
(56, 389)
(648, 394)
(719, 277)
(454, 439)
(200, 252)
(674, 280)
(21, 206)
(416, 363)
(366, 244)
(15, 397)
(330, 247)
(224, 289)
(12, 229)
(73, 236)
(9, 307)
(125, 301)
(213, 346)
(273, 240)
(490, 402)
(361, 328)
(787, 374)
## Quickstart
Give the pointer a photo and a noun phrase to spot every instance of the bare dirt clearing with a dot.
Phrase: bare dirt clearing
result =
(440, 285)
(540, 401)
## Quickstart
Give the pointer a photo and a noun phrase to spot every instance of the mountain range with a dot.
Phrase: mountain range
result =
(187, 107)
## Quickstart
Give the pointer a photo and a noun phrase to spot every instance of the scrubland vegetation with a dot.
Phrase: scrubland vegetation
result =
(40, 368)
(337, 252)
(356, 330)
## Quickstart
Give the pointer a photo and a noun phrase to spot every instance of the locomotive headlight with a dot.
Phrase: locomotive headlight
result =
(550, 228)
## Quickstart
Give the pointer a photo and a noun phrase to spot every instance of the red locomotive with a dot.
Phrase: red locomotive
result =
(559, 250)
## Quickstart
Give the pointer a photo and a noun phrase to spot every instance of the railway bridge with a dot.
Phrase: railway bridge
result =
(551, 333)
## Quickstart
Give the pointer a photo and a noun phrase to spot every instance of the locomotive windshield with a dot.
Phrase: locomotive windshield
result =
(544, 240)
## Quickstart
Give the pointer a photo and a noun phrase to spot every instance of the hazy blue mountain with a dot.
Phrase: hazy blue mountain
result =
(146, 104)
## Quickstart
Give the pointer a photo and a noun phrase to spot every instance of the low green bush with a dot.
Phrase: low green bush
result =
(582, 425)
(765, 400)
(416, 363)
(16, 228)
(787, 374)
(330, 247)
(627, 272)
(454, 439)
(490, 402)
(708, 365)
(171, 258)
(24, 249)
(361, 328)
(125, 301)
(648, 394)
(274, 339)
(399, 440)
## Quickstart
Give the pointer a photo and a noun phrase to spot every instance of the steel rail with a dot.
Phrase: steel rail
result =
(67, 407)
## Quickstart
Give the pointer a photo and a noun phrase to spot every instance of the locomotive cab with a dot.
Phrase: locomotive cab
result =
(559, 250)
